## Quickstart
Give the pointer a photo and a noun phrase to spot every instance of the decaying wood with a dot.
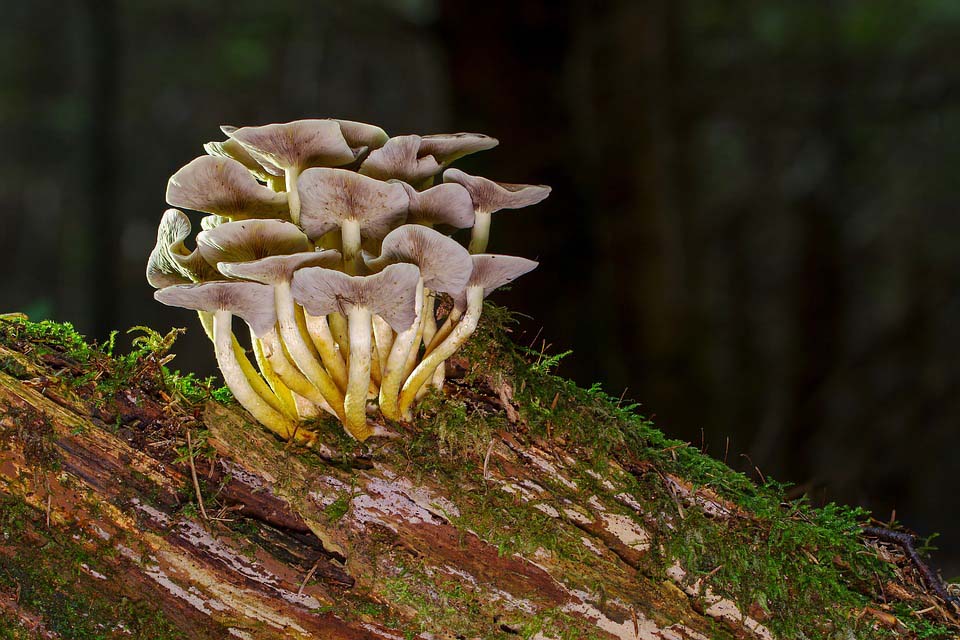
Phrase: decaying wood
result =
(329, 540)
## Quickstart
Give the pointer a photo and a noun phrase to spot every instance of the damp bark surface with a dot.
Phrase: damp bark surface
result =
(515, 505)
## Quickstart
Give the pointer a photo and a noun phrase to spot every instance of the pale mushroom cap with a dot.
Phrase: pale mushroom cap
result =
(489, 196)
(330, 196)
(274, 269)
(447, 204)
(444, 264)
(224, 187)
(448, 147)
(361, 134)
(492, 271)
(391, 294)
(247, 240)
(251, 301)
(298, 144)
(170, 262)
(399, 158)
(230, 148)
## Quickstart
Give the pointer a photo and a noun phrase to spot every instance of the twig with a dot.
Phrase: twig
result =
(193, 473)
(309, 575)
(906, 542)
(486, 461)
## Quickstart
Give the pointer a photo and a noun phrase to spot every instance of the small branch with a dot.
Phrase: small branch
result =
(193, 474)
(906, 542)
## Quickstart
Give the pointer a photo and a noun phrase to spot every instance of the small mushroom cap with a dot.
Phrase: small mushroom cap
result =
(448, 147)
(399, 158)
(489, 196)
(330, 196)
(492, 271)
(444, 264)
(361, 134)
(251, 301)
(298, 144)
(274, 269)
(170, 262)
(230, 148)
(447, 204)
(225, 187)
(247, 240)
(391, 294)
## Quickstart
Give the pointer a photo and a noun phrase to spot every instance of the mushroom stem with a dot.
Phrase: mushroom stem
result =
(480, 233)
(319, 332)
(355, 400)
(298, 348)
(445, 329)
(383, 337)
(292, 174)
(429, 316)
(239, 384)
(393, 374)
(274, 350)
(350, 237)
(338, 327)
(258, 383)
(288, 406)
(444, 350)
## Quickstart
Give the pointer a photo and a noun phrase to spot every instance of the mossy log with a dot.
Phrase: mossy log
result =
(515, 505)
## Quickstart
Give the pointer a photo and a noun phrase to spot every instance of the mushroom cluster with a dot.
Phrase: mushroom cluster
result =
(331, 241)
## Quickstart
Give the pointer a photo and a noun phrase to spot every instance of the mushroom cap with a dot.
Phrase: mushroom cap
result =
(391, 294)
(298, 144)
(251, 301)
(223, 186)
(448, 147)
(170, 262)
(489, 196)
(230, 148)
(492, 271)
(361, 134)
(447, 204)
(330, 196)
(444, 264)
(247, 240)
(399, 158)
(274, 269)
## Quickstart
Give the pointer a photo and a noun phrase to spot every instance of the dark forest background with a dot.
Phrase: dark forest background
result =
(754, 226)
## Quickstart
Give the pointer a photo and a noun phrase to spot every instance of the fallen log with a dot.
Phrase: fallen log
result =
(515, 505)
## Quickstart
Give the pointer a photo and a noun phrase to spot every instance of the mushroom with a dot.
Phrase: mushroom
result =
(391, 294)
(171, 262)
(295, 146)
(224, 187)
(449, 147)
(246, 240)
(361, 134)
(232, 149)
(277, 271)
(362, 208)
(489, 197)
(448, 205)
(253, 302)
(444, 266)
(399, 158)
(489, 272)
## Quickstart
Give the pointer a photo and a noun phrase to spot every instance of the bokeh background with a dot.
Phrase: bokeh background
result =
(754, 228)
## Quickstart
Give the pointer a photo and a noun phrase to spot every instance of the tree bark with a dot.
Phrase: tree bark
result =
(325, 543)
